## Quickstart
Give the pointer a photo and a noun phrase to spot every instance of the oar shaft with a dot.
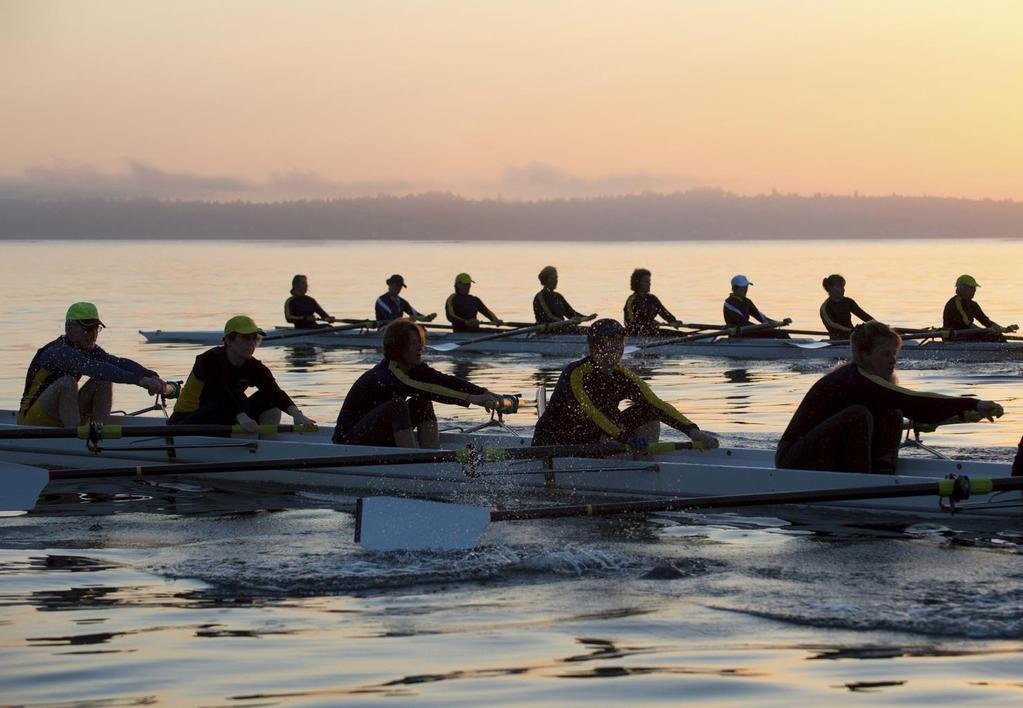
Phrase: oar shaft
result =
(306, 331)
(943, 488)
(465, 455)
(113, 432)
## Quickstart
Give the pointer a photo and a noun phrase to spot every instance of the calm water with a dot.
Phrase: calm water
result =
(113, 593)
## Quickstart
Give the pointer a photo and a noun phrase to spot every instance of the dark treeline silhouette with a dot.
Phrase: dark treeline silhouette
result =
(698, 214)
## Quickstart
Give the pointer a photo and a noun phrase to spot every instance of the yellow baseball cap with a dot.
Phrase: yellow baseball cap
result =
(242, 324)
(84, 312)
(464, 278)
(967, 280)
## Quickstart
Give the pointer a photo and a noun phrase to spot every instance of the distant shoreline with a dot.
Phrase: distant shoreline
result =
(699, 215)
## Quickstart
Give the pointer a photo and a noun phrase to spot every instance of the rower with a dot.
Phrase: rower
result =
(215, 390)
(837, 310)
(584, 407)
(851, 419)
(738, 308)
(551, 306)
(463, 309)
(961, 311)
(643, 307)
(391, 305)
(388, 404)
(302, 310)
(52, 397)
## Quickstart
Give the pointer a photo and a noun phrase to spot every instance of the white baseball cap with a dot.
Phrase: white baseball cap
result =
(740, 281)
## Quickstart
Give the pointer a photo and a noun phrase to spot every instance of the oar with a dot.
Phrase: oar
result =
(546, 327)
(722, 329)
(13, 494)
(390, 523)
(361, 324)
(113, 432)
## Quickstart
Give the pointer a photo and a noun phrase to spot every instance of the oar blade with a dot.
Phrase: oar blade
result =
(443, 346)
(392, 524)
(20, 486)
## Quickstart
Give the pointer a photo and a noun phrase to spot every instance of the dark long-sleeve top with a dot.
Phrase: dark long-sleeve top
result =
(837, 316)
(641, 311)
(215, 378)
(587, 398)
(462, 307)
(390, 307)
(301, 311)
(551, 306)
(738, 310)
(386, 382)
(849, 385)
(960, 314)
(61, 358)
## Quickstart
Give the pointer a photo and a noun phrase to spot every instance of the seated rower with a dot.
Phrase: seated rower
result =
(463, 310)
(584, 407)
(851, 419)
(738, 308)
(643, 307)
(394, 399)
(837, 310)
(215, 390)
(391, 305)
(301, 310)
(551, 306)
(961, 311)
(52, 397)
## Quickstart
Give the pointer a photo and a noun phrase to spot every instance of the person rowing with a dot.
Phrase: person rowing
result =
(392, 404)
(738, 309)
(551, 306)
(391, 305)
(962, 310)
(302, 310)
(584, 407)
(214, 392)
(837, 310)
(463, 310)
(851, 419)
(52, 397)
(642, 308)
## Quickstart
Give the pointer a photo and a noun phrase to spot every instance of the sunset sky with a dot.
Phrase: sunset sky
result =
(522, 99)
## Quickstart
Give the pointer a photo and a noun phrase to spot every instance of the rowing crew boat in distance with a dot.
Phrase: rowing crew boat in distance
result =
(303, 460)
(574, 345)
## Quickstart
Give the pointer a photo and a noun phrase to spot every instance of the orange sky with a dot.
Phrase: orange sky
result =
(521, 98)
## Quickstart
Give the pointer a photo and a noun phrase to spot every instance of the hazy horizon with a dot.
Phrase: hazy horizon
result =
(267, 101)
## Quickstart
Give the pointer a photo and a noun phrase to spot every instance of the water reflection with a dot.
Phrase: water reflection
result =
(738, 376)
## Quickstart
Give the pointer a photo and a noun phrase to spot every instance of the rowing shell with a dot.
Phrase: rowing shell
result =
(675, 474)
(574, 345)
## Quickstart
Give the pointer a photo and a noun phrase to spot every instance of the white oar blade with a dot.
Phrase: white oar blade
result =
(630, 349)
(20, 486)
(394, 524)
(443, 346)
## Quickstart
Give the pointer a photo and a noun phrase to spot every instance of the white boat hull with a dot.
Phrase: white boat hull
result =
(681, 473)
(574, 345)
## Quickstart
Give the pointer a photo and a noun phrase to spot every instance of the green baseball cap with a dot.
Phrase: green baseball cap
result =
(242, 324)
(464, 278)
(84, 312)
(967, 280)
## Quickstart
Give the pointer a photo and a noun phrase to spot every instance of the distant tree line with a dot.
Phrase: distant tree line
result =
(698, 214)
